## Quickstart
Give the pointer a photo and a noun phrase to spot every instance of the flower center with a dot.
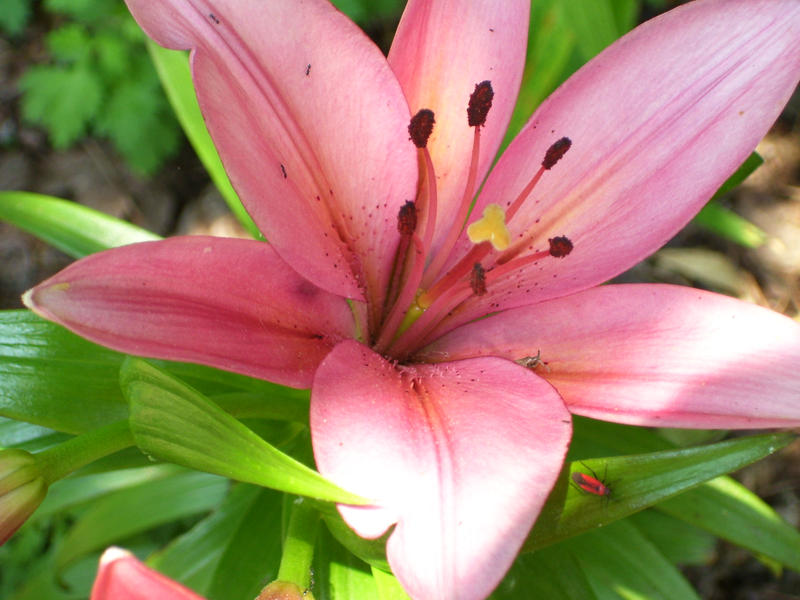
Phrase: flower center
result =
(421, 294)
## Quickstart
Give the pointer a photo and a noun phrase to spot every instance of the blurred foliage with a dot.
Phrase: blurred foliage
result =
(99, 81)
(14, 16)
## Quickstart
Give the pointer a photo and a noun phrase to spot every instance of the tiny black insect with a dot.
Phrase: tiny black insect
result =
(213, 18)
(283, 170)
(308, 69)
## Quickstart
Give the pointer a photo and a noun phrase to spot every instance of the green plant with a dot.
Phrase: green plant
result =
(100, 81)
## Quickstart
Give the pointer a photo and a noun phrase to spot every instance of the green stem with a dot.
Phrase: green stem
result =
(298, 546)
(59, 461)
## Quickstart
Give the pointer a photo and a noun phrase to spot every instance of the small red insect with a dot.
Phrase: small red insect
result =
(591, 484)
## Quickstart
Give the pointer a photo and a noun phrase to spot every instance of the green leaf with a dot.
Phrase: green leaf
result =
(679, 542)
(173, 70)
(594, 23)
(113, 54)
(32, 438)
(171, 421)
(46, 372)
(72, 228)
(133, 510)
(70, 43)
(619, 562)
(85, 11)
(193, 557)
(61, 99)
(726, 223)
(74, 491)
(552, 573)
(373, 552)
(729, 510)
(252, 555)
(14, 16)
(639, 481)
(744, 171)
(550, 45)
(339, 575)
(137, 119)
(388, 586)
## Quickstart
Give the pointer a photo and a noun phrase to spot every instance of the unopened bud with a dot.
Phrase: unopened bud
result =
(284, 590)
(22, 489)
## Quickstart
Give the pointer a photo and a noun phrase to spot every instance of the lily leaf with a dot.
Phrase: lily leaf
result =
(253, 553)
(388, 586)
(123, 513)
(171, 421)
(679, 541)
(173, 70)
(724, 222)
(730, 511)
(553, 573)
(192, 558)
(72, 228)
(620, 557)
(46, 372)
(638, 481)
(339, 575)
(719, 220)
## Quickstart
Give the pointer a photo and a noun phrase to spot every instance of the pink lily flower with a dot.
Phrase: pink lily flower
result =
(122, 576)
(373, 294)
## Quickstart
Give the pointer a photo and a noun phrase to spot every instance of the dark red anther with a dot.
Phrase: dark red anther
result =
(421, 127)
(477, 280)
(479, 103)
(560, 246)
(407, 218)
(555, 152)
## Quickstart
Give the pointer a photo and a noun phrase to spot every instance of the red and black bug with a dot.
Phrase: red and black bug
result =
(591, 484)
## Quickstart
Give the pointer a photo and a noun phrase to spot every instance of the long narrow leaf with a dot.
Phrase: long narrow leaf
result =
(173, 70)
(732, 512)
(72, 228)
(618, 558)
(173, 422)
(638, 481)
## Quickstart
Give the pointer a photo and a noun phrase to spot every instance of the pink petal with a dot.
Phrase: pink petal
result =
(228, 303)
(311, 125)
(653, 355)
(440, 51)
(461, 455)
(658, 121)
(122, 577)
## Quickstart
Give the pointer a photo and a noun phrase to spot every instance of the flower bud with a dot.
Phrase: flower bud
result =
(284, 590)
(22, 489)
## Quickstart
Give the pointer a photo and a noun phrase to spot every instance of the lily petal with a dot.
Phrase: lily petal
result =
(123, 577)
(227, 303)
(657, 121)
(440, 51)
(656, 355)
(460, 455)
(311, 125)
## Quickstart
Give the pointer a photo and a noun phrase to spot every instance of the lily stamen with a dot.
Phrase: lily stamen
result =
(480, 101)
(410, 273)
(560, 247)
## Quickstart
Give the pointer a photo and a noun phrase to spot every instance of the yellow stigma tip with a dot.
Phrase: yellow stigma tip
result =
(490, 228)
